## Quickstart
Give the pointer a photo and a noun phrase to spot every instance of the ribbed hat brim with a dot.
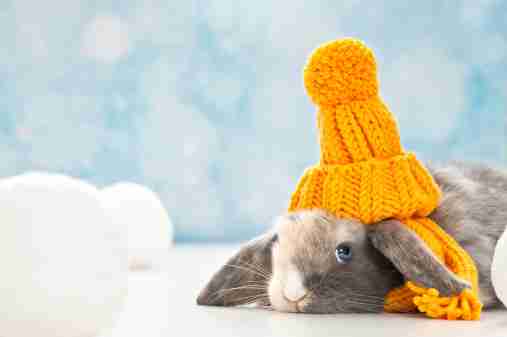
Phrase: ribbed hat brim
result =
(371, 191)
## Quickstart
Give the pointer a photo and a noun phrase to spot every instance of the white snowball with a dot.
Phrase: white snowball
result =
(64, 266)
(499, 269)
(149, 228)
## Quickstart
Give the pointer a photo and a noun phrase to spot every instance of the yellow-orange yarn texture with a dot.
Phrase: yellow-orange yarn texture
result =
(364, 173)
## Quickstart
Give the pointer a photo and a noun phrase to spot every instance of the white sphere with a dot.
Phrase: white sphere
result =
(64, 270)
(499, 269)
(149, 228)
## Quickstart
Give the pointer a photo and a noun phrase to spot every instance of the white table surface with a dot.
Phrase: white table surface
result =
(162, 303)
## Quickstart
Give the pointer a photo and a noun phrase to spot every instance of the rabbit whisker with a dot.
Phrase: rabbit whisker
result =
(259, 268)
(251, 299)
(245, 268)
(242, 288)
(223, 292)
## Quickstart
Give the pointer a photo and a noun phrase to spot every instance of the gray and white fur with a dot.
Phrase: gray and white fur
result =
(295, 268)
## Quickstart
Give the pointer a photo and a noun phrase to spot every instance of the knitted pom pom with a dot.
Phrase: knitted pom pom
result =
(341, 71)
(465, 306)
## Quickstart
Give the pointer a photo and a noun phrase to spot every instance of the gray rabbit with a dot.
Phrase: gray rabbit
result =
(313, 262)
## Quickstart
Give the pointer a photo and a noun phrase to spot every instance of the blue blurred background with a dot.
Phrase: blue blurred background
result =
(203, 100)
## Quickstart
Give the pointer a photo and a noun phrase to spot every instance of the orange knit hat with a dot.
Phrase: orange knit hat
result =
(364, 173)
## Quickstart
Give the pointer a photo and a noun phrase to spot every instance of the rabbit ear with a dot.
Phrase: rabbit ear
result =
(244, 278)
(413, 258)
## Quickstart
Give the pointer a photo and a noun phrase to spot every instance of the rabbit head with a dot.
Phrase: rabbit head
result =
(314, 262)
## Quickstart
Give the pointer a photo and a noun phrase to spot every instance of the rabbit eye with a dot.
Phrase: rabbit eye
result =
(343, 253)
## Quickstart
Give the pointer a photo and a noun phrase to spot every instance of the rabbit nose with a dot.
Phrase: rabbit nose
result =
(294, 290)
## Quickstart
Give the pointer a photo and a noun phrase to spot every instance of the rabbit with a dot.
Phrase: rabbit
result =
(313, 262)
